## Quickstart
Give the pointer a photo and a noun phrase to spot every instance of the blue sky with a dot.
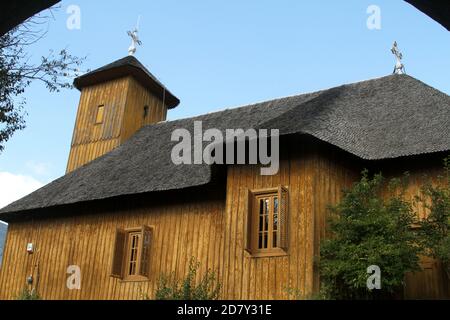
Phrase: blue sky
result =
(218, 54)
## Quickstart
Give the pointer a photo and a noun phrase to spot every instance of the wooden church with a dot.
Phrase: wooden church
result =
(125, 214)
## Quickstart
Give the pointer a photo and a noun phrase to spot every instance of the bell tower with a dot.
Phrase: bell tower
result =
(116, 101)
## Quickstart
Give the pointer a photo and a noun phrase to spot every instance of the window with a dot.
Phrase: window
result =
(146, 108)
(131, 254)
(267, 225)
(100, 114)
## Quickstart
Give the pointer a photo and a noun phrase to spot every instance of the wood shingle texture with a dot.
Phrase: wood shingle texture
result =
(384, 118)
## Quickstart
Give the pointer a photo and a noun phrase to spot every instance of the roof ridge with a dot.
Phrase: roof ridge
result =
(239, 107)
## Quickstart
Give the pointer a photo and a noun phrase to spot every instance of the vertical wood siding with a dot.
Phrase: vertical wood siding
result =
(208, 225)
(313, 180)
(137, 98)
(124, 100)
(182, 229)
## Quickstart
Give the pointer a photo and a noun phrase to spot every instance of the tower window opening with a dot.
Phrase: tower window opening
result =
(100, 114)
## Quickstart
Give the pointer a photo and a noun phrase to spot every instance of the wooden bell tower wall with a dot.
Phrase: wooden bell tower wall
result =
(108, 114)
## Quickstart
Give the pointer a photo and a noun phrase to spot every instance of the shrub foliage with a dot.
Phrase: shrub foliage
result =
(208, 288)
(370, 226)
(27, 294)
(435, 229)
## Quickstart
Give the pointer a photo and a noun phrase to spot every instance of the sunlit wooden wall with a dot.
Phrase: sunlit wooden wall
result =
(124, 101)
(206, 223)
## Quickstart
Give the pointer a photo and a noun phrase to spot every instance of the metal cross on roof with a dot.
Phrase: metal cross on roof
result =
(134, 39)
(399, 67)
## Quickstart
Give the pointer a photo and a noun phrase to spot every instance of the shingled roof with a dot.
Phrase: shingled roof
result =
(388, 117)
(128, 66)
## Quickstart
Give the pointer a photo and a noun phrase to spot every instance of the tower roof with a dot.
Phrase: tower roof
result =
(128, 66)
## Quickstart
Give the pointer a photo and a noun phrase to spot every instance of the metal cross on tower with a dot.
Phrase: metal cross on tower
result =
(134, 39)
(399, 67)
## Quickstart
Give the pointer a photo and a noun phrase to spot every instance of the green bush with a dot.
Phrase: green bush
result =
(435, 229)
(369, 227)
(27, 294)
(296, 294)
(208, 288)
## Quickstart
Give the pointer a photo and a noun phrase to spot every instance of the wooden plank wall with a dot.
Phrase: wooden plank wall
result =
(137, 98)
(211, 230)
(124, 100)
(207, 225)
(313, 181)
(316, 174)
(90, 140)
(184, 227)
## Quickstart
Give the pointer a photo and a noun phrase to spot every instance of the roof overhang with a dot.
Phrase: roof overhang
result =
(126, 70)
(438, 10)
(13, 13)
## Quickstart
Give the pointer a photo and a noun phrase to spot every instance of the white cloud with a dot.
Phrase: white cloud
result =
(13, 187)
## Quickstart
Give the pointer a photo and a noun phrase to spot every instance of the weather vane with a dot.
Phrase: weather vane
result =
(134, 39)
(399, 67)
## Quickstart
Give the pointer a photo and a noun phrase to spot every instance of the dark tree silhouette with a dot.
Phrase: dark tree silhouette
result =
(54, 70)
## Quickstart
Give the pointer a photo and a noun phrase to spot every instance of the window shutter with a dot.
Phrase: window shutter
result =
(145, 252)
(118, 255)
(249, 226)
(283, 197)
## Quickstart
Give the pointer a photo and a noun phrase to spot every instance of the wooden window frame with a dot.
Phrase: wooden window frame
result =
(96, 120)
(130, 233)
(122, 254)
(252, 226)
